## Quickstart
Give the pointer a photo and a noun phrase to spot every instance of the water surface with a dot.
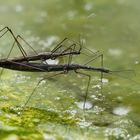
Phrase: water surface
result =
(55, 111)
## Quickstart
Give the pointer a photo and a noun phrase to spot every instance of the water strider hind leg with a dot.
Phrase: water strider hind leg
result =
(37, 85)
(6, 30)
(20, 48)
(87, 88)
(102, 65)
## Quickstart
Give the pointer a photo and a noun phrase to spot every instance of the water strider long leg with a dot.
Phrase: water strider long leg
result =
(89, 77)
(96, 56)
(15, 41)
(58, 46)
(88, 83)
(63, 72)
(101, 75)
(80, 44)
(70, 56)
(23, 51)
(69, 48)
(20, 37)
(37, 85)
(19, 46)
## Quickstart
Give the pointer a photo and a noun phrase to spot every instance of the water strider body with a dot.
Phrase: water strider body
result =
(41, 67)
(42, 56)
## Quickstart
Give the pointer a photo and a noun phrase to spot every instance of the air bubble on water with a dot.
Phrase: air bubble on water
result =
(88, 6)
(115, 52)
(19, 8)
(117, 133)
(62, 91)
(4, 97)
(84, 124)
(96, 86)
(121, 1)
(19, 113)
(43, 14)
(71, 112)
(121, 111)
(91, 15)
(137, 137)
(136, 62)
(71, 14)
(88, 105)
(21, 78)
(119, 98)
(74, 84)
(48, 137)
(116, 84)
(124, 123)
(52, 62)
(43, 82)
(4, 8)
(94, 97)
(57, 98)
(97, 109)
(105, 80)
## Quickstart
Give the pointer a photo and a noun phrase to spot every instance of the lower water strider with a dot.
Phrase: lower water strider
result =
(41, 67)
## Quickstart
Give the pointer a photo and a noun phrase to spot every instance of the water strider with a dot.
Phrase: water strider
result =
(53, 54)
(28, 62)
(58, 68)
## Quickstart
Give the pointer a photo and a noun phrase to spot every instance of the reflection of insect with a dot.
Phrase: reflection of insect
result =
(30, 62)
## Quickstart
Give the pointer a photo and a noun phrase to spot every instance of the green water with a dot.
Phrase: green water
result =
(55, 111)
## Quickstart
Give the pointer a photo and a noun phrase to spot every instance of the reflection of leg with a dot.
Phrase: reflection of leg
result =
(30, 96)
(88, 83)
